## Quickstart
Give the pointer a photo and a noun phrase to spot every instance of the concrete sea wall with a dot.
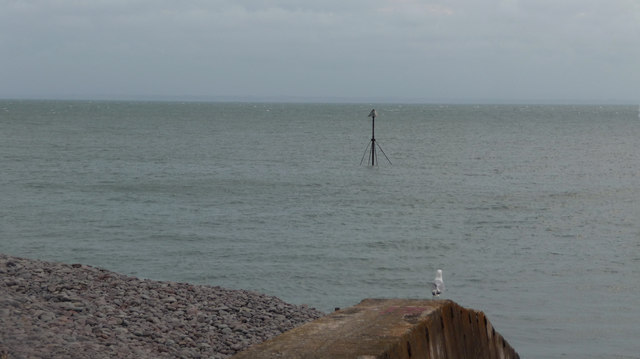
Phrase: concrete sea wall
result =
(390, 329)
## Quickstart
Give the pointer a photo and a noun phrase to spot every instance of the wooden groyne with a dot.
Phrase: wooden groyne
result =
(390, 329)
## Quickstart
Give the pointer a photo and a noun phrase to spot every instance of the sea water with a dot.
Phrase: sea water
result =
(532, 212)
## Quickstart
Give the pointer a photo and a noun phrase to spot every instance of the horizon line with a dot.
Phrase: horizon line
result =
(323, 99)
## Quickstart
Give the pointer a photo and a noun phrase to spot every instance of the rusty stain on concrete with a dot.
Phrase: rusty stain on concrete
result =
(390, 329)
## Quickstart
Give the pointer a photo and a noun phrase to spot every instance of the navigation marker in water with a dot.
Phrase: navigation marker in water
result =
(371, 146)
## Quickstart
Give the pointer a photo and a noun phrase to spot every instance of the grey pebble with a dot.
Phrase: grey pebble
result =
(79, 311)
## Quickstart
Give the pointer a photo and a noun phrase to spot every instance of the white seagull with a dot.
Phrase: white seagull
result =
(437, 286)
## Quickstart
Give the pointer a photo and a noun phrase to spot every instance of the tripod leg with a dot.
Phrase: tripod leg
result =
(364, 154)
(385, 155)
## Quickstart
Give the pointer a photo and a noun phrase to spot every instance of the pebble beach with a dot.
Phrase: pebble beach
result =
(56, 310)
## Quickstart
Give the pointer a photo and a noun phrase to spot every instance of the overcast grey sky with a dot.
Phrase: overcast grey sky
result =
(428, 50)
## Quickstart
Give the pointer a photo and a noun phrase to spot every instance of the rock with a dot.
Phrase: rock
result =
(121, 330)
(47, 316)
(75, 306)
(170, 300)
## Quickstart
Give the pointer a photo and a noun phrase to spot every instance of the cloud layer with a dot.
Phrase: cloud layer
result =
(399, 49)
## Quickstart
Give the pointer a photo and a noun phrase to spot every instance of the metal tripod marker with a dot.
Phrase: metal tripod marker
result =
(372, 150)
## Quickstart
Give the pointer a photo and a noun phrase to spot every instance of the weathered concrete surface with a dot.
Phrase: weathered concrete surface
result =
(390, 329)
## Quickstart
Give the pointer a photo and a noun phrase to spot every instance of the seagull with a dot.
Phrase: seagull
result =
(373, 113)
(437, 286)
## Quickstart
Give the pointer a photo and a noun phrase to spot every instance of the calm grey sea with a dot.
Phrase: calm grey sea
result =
(531, 211)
